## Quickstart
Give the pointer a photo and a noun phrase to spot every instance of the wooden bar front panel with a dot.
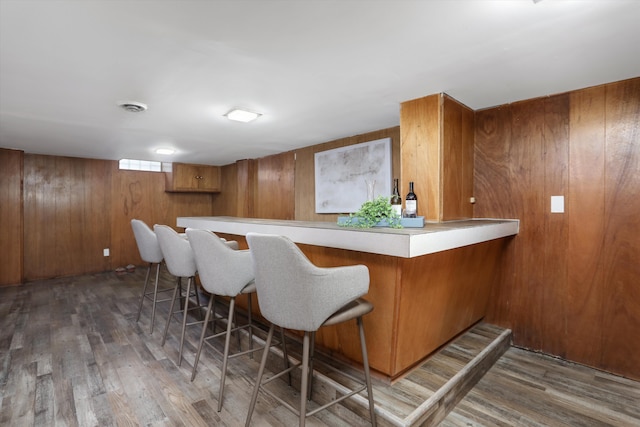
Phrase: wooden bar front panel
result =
(440, 295)
(419, 303)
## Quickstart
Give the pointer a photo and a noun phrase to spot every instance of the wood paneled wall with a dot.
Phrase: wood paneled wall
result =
(282, 186)
(225, 203)
(141, 195)
(11, 176)
(305, 207)
(238, 194)
(571, 286)
(275, 187)
(74, 208)
(66, 216)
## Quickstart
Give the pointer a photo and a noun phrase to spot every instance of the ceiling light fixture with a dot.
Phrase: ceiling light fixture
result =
(240, 115)
(165, 151)
(133, 106)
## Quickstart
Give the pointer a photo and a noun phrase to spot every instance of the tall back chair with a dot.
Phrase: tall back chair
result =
(178, 256)
(294, 293)
(149, 252)
(224, 271)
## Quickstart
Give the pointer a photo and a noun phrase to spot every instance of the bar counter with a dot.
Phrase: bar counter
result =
(404, 243)
(427, 284)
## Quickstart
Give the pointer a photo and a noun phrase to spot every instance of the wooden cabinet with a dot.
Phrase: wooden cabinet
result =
(184, 177)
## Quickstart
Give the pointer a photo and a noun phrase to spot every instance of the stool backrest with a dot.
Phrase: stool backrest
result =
(177, 251)
(222, 270)
(147, 242)
(292, 291)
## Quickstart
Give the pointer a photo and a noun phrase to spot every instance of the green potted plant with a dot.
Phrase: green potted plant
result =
(372, 213)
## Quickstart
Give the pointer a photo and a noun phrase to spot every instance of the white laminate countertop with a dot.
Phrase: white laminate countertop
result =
(404, 243)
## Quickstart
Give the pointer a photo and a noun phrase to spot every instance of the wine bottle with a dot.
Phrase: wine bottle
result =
(396, 200)
(411, 203)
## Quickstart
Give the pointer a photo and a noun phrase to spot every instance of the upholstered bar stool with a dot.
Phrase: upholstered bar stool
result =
(295, 294)
(224, 271)
(149, 252)
(178, 256)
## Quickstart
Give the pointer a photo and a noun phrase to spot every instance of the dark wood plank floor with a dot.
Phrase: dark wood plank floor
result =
(72, 354)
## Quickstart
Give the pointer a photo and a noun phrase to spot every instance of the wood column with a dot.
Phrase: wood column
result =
(436, 151)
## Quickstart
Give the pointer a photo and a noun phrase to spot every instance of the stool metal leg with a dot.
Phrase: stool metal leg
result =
(144, 291)
(173, 303)
(184, 319)
(250, 320)
(256, 388)
(210, 309)
(225, 358)
(304, 376)
(285, 356)
(155, 298)
(312, 350)
(367, 375)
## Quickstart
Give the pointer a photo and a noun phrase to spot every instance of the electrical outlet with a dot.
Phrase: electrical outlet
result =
(105, 251)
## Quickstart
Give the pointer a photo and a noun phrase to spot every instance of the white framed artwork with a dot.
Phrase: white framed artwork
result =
(346, 177)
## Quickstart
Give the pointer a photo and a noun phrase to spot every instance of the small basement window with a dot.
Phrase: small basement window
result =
(140, 165)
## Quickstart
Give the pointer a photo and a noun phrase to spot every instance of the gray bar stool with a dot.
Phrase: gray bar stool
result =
(149, 252)
(224, 271)
(294, 293)
(178, 256)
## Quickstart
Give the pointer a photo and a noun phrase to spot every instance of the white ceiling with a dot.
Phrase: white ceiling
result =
(316, 70)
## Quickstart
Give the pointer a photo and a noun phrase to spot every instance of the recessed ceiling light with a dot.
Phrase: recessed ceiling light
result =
(166, 151)
(244, 116)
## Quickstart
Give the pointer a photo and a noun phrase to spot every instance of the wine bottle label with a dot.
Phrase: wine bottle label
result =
(397, 209)
(411, 206)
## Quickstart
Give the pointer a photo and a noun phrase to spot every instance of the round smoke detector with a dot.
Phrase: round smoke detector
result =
(132, 106)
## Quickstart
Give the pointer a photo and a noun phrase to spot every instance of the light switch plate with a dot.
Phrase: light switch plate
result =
(557, 204)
